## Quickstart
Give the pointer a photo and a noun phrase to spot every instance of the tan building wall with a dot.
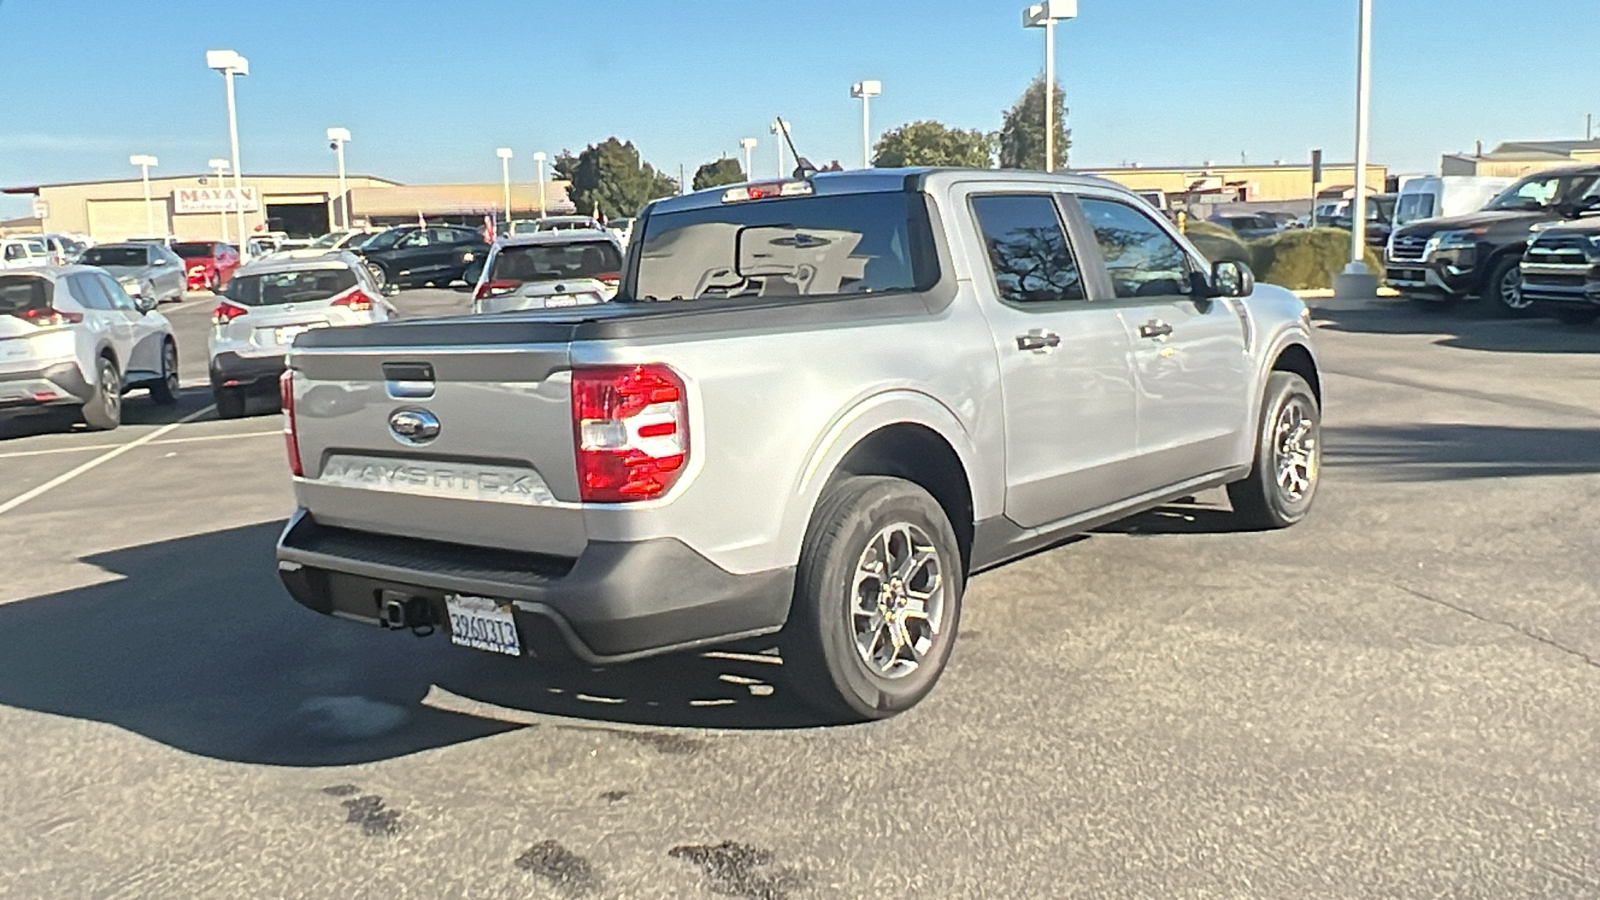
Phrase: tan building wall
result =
(115, 210)
(1510, 168)
(406, 201)
(1259, 183)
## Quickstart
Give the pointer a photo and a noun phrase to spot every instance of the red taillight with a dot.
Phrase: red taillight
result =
(45, 317)
(609, 279)
(495, 288)
(631, 430)
(227, 312)
(355, 301)
(291, 436)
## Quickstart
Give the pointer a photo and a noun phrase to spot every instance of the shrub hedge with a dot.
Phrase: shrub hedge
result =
(1299, 259)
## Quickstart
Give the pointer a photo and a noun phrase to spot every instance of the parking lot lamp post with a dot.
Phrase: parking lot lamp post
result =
(748, 144)
(1045, 15)
(505, 177)
(539, 157)
(230, 64)
(866, 90)
(144, 163)
(338, 137)
(1357, 281)
(220, 166)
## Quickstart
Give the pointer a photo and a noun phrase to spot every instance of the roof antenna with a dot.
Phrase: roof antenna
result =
(803, 167)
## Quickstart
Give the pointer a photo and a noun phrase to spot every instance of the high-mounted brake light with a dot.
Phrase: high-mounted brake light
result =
(767, 190)
(46, 317)
(355, 301)
(291, 432)
(630, 428)
(226, 312)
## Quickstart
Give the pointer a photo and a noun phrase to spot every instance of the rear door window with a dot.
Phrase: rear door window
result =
(1027, 248)
(557, 262)
(21, 293)
(304, 286)
(1142, 259)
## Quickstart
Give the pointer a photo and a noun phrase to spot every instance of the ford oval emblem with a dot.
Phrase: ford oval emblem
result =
(413, 426)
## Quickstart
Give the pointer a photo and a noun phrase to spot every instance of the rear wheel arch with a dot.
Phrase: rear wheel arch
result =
(922, 456)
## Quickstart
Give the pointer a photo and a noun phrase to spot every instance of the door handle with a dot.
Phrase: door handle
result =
(1155, 328)
(1038, 339)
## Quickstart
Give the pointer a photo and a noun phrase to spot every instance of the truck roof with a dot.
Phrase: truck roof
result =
(867, 181)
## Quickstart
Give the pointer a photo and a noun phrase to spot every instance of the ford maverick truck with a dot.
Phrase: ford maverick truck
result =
(816, 407)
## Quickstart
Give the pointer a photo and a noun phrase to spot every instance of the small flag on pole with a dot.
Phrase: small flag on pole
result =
(421, 222)
(488, 229)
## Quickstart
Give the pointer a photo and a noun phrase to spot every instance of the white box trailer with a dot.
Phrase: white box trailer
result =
(1437, 196)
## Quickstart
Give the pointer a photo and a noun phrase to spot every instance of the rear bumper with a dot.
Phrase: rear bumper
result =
(61, 384)
(614, 603)
(232, 370)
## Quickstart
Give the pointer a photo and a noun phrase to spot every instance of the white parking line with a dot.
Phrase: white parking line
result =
(59, 480)
(185, 440)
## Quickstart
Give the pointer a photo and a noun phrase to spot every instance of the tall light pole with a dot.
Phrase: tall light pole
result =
(144, 163)
(866, 90)
(1358, 204)
(1045, 15)
(505, 178)
(780, 131)
(220, 166)
(338, 137)
(748, 144)
(539, 157)
(230, 64)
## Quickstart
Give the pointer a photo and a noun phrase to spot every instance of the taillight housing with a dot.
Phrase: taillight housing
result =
(291, 434)
(609, 279)
(355, 301)
(495, 289)
(630, 430)
(46, 317)
(226, 312)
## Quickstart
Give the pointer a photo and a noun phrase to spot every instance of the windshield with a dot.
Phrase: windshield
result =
(304, 286)
(1540, 192)
(331, 239)
(21, 293)
(116, 256)
(805, 246)
(556, 262)
(192, 251)
(1413, 207)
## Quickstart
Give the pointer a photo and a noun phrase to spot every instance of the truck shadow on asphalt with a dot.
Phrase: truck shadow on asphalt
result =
(1449, 452)
(1467, 327)
(197, 646)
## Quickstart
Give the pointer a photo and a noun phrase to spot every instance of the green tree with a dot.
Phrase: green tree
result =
(932, 143)
(717, 173)
(611, 178)
(1022, 135)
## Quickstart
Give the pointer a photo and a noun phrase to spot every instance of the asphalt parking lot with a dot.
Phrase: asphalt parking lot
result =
(1399, 698)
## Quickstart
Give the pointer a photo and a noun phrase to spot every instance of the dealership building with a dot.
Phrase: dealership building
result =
(202, 207)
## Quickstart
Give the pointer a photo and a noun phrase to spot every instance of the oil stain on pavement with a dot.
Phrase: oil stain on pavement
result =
(733, 870)
(567, 871)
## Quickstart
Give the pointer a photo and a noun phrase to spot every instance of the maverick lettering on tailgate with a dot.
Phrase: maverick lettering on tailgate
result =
(503, 484)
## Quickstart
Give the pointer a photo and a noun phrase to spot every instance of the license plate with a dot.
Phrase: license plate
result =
(482, 624)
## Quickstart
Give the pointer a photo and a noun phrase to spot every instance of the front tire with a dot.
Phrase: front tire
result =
(165, 391)
(103, 412)
(1505, 288)
(877, 600)
(379, 276)
(1288, 459)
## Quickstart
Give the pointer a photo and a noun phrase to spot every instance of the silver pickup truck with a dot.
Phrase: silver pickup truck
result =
(815, 408)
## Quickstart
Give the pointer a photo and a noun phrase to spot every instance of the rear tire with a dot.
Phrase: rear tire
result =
(1288, 459)
(1570, 316)
(877, 600)
(103, 412)
(165, 391)
(230, 402)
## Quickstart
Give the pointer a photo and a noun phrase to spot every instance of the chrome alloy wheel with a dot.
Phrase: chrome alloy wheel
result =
(110, 390)
(1511, 290)
(1296, 454)
(897, 600)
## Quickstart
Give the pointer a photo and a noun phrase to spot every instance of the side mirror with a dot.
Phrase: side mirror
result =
(144, 304)
(1231, 278)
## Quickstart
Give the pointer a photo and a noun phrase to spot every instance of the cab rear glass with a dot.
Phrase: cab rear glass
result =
(20, 293)
(301, 286)
(116, 256)
(192, 251)
(557, 262)
(810, 246)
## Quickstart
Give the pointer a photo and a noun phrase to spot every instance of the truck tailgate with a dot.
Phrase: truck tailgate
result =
(403, 432)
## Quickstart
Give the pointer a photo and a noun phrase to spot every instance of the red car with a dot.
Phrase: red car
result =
(208, 264)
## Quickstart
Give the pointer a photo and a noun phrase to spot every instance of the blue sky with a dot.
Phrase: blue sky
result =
(429, 89)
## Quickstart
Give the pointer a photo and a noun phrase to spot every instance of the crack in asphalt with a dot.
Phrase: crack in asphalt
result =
(1548, 642)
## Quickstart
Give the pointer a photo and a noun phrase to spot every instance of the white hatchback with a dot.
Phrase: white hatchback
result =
(269, 303)
(71, 337)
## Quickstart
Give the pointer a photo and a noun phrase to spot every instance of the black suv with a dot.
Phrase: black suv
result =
(410, 255)
(1478, 254)
(1561, 271)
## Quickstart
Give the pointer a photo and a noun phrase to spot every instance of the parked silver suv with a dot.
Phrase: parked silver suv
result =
(71, 337)
(549, 269)
(267, 304)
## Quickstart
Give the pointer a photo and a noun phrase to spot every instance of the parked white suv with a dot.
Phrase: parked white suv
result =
(270, 302)
(70, 336)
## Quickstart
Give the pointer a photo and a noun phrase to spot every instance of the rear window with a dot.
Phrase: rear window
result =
(305, 286)
(20, 293)
(192, 251)
(116, 256)
(557, 262)
(803, 246)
